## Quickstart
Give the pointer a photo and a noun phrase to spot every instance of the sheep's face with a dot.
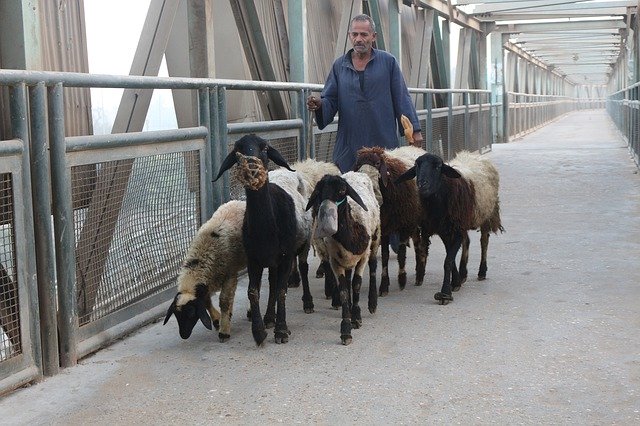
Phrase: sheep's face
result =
(428, 171)
(333, 189)
(252, 146)
(188, 309)
(373, 157)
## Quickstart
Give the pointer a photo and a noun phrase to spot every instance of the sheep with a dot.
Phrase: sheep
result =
(312, 171)
(351, 233)
(297, 187)
(457, 197)
(213, 260)
(400, 210)
(269, 229)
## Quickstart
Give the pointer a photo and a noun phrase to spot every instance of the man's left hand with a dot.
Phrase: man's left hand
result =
(417, 139)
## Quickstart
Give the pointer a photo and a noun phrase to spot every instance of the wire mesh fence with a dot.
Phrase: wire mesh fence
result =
(10, 338)
(145, 239)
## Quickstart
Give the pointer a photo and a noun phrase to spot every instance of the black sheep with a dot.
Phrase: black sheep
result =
(268, 230)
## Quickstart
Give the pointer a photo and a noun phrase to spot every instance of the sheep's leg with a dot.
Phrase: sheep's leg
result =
(213, 313)
(464, 259)
(270, 315)
(227, 294)
(384, 277)
(322, 267)
(373, 291)
(329, 280)
(421, 257)
(281, 331)
(257, 325)
(344, 288)
(335, 294)
(356, 284)
(303, 266)
(402, 260)
(484, 244)
(452, 245)
(294, 277)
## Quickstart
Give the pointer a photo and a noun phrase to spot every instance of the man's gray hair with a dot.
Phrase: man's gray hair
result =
(364, 18)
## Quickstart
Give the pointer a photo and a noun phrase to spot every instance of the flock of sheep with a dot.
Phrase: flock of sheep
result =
(345, 217)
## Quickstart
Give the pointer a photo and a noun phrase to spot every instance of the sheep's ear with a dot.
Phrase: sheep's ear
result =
(450, 172)
(227, 163)
(354, 195)
(204, 315)
(277, 158)
(408, 175)
(171, 310)
(384, 173)
(313, 198)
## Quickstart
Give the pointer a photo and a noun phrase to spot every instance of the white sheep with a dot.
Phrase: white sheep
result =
(211, 264)
(347, 218)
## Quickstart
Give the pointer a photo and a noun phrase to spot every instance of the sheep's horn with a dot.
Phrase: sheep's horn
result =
(227, 164)
(277, 158)
(408, 175)
(354, 195)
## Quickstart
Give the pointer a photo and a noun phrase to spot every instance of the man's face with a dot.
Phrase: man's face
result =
(361, 36)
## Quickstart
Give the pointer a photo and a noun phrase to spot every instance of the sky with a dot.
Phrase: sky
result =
(113, 30)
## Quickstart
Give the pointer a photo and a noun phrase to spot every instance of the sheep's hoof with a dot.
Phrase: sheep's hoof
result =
(373, 308)
(223, 337)
(269, 322)
(283, 338)
(457, 287)
(259, 336)
(443, 298)
(216, 324)
(282, 334)
(308, 310)
(402, 280)
(482, 277)
(418, 283)
(346, 339)
(383, 293)
(356, 323)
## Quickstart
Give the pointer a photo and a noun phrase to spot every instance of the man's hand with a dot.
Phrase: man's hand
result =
(313, 103)
(417, 139)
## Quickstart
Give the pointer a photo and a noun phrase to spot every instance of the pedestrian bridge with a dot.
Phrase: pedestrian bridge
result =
(549, 337)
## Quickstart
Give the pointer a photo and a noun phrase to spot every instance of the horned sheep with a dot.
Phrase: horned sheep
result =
(456, 198)
(347, 218)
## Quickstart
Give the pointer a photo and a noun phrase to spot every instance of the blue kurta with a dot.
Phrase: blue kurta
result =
(368, 116)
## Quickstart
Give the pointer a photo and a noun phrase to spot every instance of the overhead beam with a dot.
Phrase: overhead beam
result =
(452, 14)
(544, 27)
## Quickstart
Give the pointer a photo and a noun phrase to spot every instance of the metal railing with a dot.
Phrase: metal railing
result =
(108, 265)
(624, 109)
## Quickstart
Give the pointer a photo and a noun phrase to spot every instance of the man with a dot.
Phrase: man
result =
(367, 89)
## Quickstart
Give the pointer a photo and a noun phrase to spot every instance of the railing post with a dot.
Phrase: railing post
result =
(64, 231)
(215, 158)
(45, 256)
(204, 119)
(20, 130)
(304, 131)
(449, 124)
(429, 123)
(467, 121)
(223, 137)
